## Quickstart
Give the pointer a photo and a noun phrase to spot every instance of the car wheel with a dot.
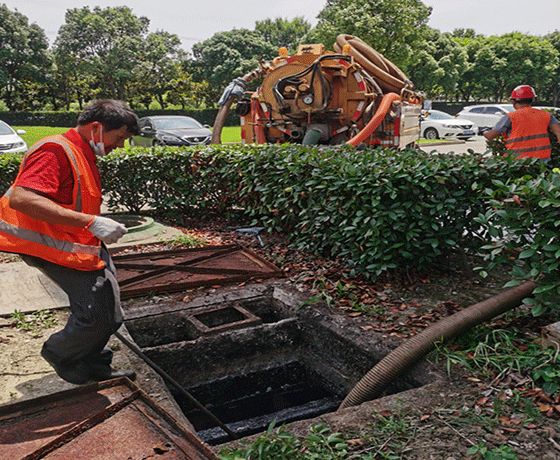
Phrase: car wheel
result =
(131, 142)
(431, 134)
(156, 143)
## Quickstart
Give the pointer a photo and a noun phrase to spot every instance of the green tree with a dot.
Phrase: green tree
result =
(439, 66)
(282, 32)
(160, 65)
(552, 91)
(501, 63)
(187, 92)
(228, 55)
(467, 34)
(469, 84)
(104, 44)
(24, 58)
(394, 28)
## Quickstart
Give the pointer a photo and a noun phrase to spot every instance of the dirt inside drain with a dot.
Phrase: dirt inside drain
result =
(291, 363)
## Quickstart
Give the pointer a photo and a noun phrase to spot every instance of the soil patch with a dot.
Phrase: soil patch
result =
(505, 415)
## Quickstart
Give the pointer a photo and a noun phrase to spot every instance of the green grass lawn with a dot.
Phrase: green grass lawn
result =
(36, 133)
(231, 134)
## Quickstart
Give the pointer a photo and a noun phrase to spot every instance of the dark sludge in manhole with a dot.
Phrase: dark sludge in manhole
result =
(293, 365)
(247, 404)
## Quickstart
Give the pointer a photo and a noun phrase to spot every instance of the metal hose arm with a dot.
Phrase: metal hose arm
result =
(227, 99)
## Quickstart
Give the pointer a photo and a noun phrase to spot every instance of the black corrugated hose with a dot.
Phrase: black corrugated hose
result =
(414, 349)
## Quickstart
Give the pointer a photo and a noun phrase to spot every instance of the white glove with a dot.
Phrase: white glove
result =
(107, 230)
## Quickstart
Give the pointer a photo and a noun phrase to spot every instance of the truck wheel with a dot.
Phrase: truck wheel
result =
(431, 133)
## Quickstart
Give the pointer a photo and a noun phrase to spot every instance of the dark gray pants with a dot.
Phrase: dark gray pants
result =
(95, 312)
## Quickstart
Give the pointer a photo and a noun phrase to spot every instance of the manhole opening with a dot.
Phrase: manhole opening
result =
(249, 403)
(220, 317)
(292, 364)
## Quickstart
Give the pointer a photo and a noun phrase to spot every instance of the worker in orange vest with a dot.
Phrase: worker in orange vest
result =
(51, 217)
(526, 129)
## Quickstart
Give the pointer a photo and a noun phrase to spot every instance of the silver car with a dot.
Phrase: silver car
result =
(485, 116)
(10, 140)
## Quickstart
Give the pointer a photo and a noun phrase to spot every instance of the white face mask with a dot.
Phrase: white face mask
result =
(98, 147)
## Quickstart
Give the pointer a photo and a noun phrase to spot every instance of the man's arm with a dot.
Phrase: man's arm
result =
(491, 134)
(503, 125)
(41, 208)
(556, 130)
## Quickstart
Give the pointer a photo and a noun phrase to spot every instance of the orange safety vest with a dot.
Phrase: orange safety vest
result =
(71, 247)
(529, 133)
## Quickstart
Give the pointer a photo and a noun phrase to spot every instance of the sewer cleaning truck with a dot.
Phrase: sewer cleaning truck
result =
(353, 96)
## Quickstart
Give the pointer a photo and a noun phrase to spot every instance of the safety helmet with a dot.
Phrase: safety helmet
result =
(523, 92)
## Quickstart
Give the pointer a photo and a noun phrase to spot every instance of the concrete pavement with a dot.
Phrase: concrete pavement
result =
(476, 143)
(26, 289)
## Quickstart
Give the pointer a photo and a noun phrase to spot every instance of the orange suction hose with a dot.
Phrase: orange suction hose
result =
(380, 113)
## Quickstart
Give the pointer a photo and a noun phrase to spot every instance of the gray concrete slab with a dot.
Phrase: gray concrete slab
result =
(26, 289)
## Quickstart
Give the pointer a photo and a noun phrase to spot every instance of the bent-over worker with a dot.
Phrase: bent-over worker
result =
(51, 217)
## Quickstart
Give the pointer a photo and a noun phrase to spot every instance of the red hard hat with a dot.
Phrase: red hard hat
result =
(523, 92)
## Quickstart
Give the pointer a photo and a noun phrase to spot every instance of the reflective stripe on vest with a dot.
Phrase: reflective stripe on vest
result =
(64, 245)
(529, 133)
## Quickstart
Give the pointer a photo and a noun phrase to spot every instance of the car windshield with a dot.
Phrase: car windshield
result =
(5, 129)
(176, 123)
(437, 115)
(508, 107)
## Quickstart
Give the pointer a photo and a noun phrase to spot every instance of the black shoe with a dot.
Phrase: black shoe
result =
(77, 374)
(100, 372)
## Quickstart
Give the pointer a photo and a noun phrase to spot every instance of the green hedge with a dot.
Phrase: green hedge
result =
(9, 166)
(69, 119)
(524, 223)
(378, 209)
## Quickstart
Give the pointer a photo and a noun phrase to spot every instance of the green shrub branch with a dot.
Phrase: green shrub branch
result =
(378, 209)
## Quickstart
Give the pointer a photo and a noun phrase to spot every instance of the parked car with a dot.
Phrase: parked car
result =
(485, 116)
(435, 124)
(171, 130)
(10, 140)
(552, 110)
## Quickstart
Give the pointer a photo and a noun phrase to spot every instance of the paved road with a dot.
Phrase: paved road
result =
(476, 143)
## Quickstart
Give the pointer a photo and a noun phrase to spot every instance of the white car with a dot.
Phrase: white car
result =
(10, 142)
(435, 124)
(552, 110)
(485, 116)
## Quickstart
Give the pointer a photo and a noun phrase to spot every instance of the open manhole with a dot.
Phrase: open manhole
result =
(133, 222)
(257, 356)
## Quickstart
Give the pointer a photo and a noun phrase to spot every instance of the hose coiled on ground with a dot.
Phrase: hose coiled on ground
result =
(402, 358)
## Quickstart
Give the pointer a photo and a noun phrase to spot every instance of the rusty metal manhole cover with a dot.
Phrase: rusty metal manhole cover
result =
(109, 420)
(175, 270)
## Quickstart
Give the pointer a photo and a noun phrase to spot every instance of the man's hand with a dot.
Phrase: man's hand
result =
(107, 230)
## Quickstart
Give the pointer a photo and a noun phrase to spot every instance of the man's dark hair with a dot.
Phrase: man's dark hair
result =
(524, 101)
(111, 113)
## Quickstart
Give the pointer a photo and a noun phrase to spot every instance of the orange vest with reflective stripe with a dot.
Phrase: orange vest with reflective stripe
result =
(529, 133)
(71, 247)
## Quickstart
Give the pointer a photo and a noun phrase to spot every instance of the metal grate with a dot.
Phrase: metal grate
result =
(175, 270)
(112, 419)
